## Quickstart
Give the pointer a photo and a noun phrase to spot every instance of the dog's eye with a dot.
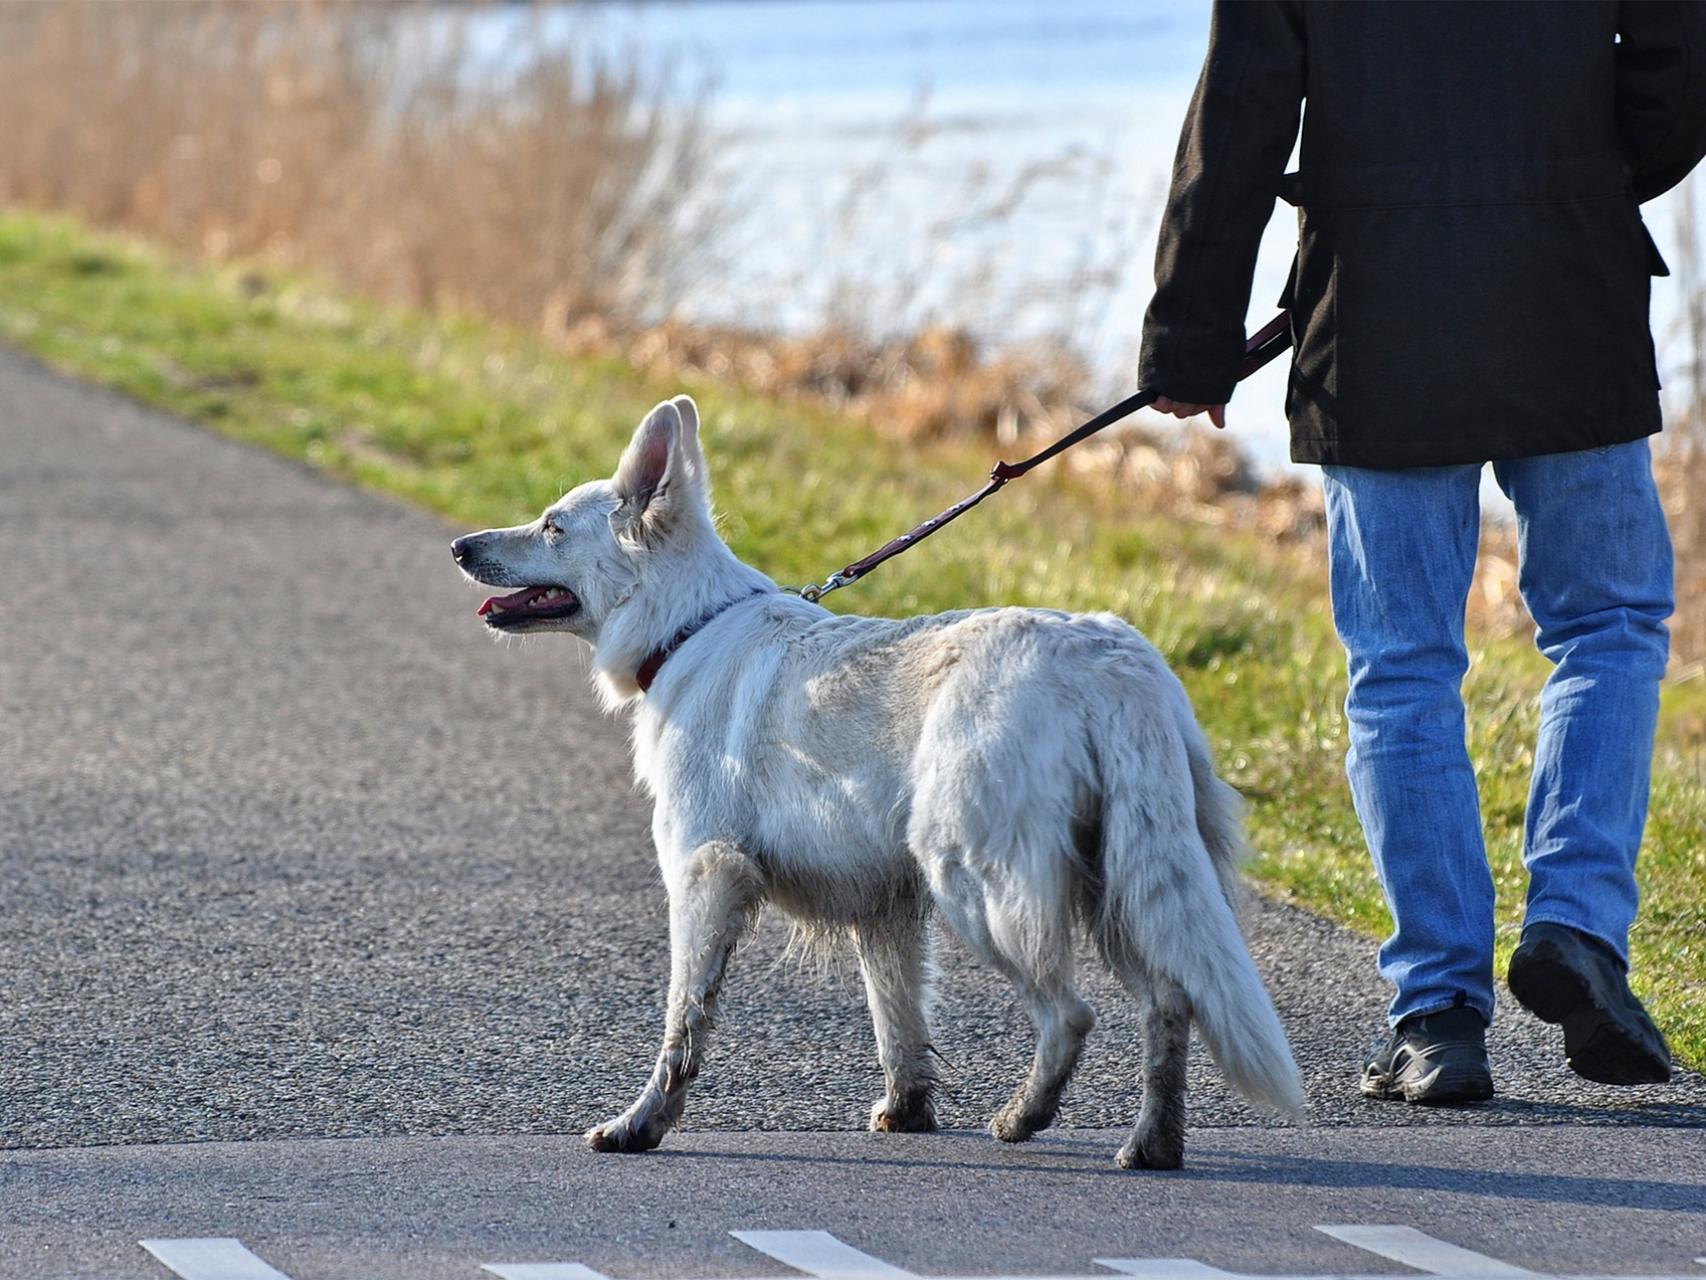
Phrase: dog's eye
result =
(552, 532)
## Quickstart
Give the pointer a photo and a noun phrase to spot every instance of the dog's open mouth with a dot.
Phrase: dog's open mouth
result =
(530, 604)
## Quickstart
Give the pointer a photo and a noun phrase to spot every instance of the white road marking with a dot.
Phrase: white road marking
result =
(820, 1254)
(211, 1258)
(1164, 1268)
(1423, 1252)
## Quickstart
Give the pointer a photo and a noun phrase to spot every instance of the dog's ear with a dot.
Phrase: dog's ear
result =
(690, 450)
(660, 475)
(644, 472)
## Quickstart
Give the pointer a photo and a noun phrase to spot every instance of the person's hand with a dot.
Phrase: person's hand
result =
(1216, 412)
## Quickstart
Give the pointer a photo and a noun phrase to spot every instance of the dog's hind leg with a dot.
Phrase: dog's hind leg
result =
(894, 956)
(1159, 1140)
(1031, 945)
(712, 897)
(1062, 1020)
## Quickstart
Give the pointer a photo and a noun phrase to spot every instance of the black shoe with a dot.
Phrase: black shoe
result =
(1563, 976)
(1437, 1059)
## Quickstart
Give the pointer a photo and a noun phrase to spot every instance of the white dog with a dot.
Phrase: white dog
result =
(1020, 771)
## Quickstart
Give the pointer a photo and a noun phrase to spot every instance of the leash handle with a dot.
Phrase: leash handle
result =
(1262, 346)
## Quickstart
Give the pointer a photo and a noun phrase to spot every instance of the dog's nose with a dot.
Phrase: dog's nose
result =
(459, 548)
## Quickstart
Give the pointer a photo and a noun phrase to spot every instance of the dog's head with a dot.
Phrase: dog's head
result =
(587, 554)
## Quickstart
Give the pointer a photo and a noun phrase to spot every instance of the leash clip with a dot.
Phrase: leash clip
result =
(814, 593)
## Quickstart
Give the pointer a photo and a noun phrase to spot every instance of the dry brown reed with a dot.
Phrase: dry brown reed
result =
(544, 185)
(373, 141)
(921, 343)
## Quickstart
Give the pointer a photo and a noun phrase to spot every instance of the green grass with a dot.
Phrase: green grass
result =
(487, 425)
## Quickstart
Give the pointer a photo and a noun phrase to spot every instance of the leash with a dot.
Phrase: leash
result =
(1263, 345)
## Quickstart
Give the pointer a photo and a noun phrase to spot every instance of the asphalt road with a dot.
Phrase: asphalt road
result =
(290, 849)
(1250, 1201)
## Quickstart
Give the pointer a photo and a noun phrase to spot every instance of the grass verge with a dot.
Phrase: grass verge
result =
(486, 425)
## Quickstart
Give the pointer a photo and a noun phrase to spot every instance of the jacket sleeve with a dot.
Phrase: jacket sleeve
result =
(1661, 90)
(1237, 137)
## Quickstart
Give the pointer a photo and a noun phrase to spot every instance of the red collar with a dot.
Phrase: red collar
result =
(649, 669)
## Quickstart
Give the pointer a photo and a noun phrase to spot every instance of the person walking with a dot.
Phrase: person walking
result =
(1471, 286)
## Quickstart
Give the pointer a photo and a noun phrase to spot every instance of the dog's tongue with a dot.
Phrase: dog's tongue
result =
(527, 595)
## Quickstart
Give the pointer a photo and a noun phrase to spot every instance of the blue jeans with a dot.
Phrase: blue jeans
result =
(1596, 574)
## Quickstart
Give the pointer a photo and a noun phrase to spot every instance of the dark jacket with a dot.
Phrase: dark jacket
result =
(1471, 280)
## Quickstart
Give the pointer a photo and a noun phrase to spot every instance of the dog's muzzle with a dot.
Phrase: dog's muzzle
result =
(547, 602)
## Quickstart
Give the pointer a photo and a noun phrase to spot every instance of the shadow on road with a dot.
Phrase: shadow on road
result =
(1497, 1176)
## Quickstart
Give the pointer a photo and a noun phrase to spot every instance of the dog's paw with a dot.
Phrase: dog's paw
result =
(623, 1136)
(1015, 1123)
(1153, 1155)
(902, 1117)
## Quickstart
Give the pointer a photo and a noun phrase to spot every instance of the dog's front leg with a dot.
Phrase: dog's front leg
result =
(712, 895)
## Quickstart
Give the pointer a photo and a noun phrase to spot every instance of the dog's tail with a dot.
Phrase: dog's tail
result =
(1168, 894)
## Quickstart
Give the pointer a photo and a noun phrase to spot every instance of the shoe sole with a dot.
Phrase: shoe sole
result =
(1597, 1044)
(1438, 1090)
